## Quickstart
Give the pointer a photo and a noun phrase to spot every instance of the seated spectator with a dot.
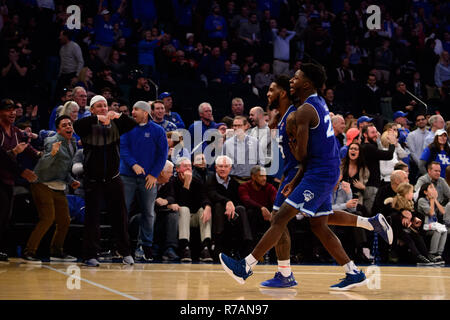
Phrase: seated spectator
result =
(242, 149)
(229, 219)
(343, 200)
(53, 171)
(258, 197)
(438, 151)
(433, 212)
(166, 223)
(166, 98)
(199, 170)
(355, 172)
(176, 146)
(398, 176)
(406, 224)
(194, 209)
(434, 175)
(158, 112)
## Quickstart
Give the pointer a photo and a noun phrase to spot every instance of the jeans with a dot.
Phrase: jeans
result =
(146, 199)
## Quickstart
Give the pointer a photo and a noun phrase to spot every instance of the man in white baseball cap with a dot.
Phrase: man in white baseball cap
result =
(100, 135)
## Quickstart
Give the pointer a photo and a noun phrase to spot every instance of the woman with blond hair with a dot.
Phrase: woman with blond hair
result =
(70, 108)
(406, 224)
(85, 80)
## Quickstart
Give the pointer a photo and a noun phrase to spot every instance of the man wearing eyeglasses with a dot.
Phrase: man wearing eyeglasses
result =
(243, 149)
(415, 142)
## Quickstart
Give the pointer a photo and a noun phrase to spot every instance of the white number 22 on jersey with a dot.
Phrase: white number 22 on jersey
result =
(330, 130)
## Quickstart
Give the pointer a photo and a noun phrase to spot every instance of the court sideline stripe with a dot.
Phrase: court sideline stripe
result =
(270, 272)
(93, 283)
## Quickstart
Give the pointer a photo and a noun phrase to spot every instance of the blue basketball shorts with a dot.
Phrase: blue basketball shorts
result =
(313, 195)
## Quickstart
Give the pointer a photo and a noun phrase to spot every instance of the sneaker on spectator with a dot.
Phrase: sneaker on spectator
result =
(186, 255)
(128, 260)
(148, 254)
(139, 253)
(62, 257)
(91, 262)
(170, 255)
(423, 261)
(3, 257)
(31, 258)
(205, 256)
(437, 259)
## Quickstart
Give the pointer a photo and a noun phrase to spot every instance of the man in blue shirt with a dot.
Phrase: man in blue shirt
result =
(143, 154)
(198, 128)
(171, 116)
(158, 111)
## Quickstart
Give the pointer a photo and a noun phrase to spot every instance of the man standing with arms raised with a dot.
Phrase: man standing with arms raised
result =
(100, 134)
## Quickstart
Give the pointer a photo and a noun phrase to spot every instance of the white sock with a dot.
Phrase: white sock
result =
(362, 222)
(250, 262)
(284, 267)
(350, 267)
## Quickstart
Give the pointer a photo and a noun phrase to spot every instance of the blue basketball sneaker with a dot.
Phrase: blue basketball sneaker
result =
(236, 269)
(382, 227)
(280, 281)
(350, 281)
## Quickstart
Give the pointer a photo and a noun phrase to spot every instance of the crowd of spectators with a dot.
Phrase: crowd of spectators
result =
(388, 91)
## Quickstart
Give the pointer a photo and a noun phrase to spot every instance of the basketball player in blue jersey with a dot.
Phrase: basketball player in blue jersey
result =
(311, 138)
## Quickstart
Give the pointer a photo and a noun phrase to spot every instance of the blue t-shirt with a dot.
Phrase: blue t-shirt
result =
(442, 157)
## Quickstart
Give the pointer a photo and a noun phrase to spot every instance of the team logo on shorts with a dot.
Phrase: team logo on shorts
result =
(308, 195)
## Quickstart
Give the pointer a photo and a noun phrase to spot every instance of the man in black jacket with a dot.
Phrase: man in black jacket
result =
(100, 136)
(194, 208)
(372, 156)
(228, 213)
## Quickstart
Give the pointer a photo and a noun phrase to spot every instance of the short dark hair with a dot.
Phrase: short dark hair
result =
(315, 73)
(431, 163)
(61, 118)
(365, 128)
(400, 165)
(282, 81)
(154, 102)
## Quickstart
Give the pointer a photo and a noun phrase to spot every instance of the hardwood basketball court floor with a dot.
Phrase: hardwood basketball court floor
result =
(161, 281)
